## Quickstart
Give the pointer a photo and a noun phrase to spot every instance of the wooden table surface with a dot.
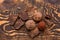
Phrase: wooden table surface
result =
(44, 6)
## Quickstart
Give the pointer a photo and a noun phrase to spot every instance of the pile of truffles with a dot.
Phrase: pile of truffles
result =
(33, 22)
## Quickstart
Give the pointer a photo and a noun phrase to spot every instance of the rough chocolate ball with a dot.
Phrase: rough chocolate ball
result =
(41, 25)
(37, 16)
(30, 24)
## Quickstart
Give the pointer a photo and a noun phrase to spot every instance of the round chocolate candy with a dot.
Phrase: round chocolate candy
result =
(41, 25)
(37, 16)
(30, 24)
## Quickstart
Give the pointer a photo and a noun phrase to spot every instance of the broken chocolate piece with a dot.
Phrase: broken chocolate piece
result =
(18, 24)
(12, 18)
(23, 16)
(34, 32)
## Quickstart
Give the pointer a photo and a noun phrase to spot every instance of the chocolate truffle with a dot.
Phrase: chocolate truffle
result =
(37, 16)
(41, 25)
(30, 24)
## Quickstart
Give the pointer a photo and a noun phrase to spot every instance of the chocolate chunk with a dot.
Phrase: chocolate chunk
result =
(34, 32)
(23, 15)
(12, 18)
(18, 24)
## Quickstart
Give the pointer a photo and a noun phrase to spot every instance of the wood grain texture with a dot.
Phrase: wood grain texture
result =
(49, 7)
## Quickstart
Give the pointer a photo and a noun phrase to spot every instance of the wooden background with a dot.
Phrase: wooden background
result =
(46, 7)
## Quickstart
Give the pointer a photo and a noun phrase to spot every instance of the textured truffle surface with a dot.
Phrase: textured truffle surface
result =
(41, 25)
(30, 24)
(37, 16)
